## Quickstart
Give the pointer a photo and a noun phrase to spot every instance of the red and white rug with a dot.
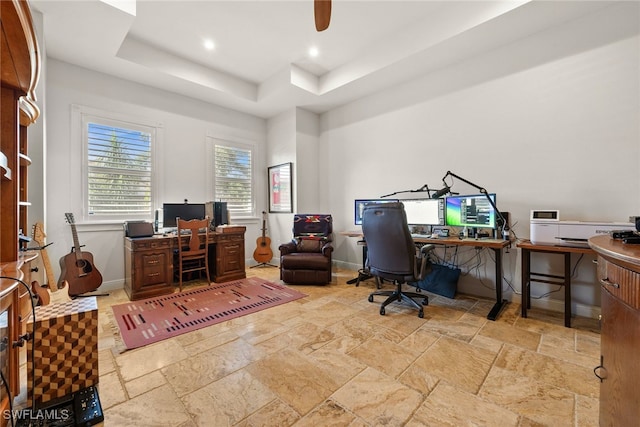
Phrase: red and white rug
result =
(151, 320)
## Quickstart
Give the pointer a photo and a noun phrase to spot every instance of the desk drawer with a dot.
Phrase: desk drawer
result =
(224, 238)
(151, 244)
(154, 275)
(232, 250)
(620, 282)
(155, 268)
(153, 260)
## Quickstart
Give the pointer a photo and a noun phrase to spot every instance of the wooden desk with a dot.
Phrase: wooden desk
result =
(148, 261)
(496, 245)
(565, 280)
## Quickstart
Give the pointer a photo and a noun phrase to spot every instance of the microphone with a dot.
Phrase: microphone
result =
(441, 192)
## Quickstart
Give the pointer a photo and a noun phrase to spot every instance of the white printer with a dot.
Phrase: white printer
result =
(547, 229)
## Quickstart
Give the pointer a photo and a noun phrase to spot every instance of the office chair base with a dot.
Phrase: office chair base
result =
(398, 295)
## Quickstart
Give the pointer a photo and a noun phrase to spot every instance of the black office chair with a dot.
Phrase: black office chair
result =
(392, 255)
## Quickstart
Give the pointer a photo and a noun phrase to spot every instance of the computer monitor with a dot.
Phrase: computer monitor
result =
(471, 211)
(186, 211)
(424, 211)
(359, 207)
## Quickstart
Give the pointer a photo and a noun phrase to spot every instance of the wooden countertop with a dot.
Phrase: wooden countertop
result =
(526, 244)
(626, 255)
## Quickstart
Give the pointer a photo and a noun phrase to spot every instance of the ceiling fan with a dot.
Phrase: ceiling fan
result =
(322, 14)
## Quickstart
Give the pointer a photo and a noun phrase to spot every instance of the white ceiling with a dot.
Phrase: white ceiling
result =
(260, 64)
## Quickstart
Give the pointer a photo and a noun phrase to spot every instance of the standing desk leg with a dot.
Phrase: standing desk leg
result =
(500, 303)
(362, 273)
(526, 277)
(567, 289)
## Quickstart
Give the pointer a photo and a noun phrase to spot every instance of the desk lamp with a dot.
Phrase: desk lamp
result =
(501, 222)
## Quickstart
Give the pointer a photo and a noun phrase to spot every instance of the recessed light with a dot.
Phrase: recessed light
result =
(313, 51)
(209, 44)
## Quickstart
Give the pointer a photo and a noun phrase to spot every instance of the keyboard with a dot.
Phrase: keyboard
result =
(421, 236)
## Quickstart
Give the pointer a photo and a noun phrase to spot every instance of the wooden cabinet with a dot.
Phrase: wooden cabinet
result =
(229, 257)
(619, 277)
(148, 262)
(20, 69)
(9, 332)
(20, 65)
(148, 267)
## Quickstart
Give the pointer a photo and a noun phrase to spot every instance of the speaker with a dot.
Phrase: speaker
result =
(158, 220)
(217, 211)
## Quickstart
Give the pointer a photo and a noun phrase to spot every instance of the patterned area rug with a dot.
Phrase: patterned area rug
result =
(147, 321)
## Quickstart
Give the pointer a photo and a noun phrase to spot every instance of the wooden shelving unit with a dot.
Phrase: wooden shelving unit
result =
(20, 70)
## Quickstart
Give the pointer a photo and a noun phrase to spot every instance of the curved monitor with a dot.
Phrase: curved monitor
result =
(358, 207)
(424, 211)
(471, 211)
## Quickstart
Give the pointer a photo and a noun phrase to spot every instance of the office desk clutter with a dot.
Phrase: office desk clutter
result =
(460, 226)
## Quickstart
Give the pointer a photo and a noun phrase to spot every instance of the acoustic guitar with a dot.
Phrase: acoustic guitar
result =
(263, 252)
(39, 236)
(77, 267)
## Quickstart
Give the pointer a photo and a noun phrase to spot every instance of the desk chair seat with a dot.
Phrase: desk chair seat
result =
(193, 255)
(392, 254)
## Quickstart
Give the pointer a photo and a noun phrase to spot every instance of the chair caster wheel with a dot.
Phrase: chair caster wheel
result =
(425, 301)
(382, 311)
(370, 298)
(421, 314)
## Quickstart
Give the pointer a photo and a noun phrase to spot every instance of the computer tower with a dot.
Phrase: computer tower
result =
(217, 212)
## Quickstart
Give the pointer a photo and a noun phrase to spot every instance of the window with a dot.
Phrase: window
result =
(233, 177)
(119, 173)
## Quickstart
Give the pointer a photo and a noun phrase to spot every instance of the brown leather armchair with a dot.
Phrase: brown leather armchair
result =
(306, 260)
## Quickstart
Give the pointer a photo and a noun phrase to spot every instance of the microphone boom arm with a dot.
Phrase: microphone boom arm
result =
(423, 189)
(501, 221)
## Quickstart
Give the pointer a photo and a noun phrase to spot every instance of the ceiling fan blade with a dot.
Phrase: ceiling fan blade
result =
(322, 13)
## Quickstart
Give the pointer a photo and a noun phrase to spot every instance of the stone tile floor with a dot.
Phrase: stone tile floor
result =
(332, 359)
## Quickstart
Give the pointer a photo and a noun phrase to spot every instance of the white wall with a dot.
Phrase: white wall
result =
(186, 124)
(551, 121)
(281, 148)
(293, 136)
(308, 163)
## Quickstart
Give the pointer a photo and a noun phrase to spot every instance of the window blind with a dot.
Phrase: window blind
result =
(119, 171)
(233, 178)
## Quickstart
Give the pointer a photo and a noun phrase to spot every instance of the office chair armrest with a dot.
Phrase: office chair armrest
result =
(327, 249)
(288, 248)
(426, 249)
(422, 262)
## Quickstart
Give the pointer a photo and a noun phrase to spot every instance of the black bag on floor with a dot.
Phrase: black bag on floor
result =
(442, 280)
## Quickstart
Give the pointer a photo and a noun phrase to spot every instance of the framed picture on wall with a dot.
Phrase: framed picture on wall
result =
(280, 188)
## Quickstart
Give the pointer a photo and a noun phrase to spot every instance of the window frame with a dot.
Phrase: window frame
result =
(211, 188)
(85, 115)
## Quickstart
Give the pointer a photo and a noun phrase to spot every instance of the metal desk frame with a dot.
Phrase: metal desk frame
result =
(529, 276)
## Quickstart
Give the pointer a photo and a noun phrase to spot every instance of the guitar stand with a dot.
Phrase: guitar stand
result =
(263, 264)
